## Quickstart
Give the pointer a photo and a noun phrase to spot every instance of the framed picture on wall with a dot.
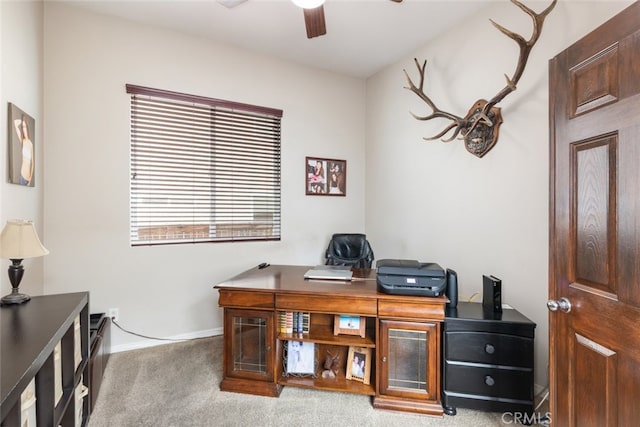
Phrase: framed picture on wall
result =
(325, 177)
(21, 141)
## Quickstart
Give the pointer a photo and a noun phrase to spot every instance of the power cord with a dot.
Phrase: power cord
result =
(546, 394)
(543, 420)
(155, 338)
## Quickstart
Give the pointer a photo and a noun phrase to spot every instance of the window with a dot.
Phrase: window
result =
(202, 169)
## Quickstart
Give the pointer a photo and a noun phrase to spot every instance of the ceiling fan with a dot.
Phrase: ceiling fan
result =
(313, 14)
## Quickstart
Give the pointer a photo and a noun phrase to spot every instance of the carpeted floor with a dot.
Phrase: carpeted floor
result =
(178, 385)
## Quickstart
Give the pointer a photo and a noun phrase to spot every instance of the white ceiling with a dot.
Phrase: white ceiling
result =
(363, 36)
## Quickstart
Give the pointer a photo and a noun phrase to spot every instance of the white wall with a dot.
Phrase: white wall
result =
(21, 84)
(433, 201)
(167, 291)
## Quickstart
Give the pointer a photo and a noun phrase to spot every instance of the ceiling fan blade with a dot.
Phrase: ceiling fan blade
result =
(314, 21)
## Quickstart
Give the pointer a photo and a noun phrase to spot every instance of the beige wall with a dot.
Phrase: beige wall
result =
(433, 201)
(167, 291)
(21, 84)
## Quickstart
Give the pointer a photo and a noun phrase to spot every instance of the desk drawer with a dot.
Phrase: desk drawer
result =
(492, 349)
(492, 382)
(326, 304)
(411, 310)
(245, 299)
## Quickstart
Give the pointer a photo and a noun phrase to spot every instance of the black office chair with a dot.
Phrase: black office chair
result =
(349, 249)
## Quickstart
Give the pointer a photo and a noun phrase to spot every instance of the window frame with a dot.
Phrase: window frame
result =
(222, 194)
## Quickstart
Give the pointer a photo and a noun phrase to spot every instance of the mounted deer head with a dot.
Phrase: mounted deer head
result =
(480, 127)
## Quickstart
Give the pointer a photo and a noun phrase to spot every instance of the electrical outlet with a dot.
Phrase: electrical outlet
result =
(114, 313)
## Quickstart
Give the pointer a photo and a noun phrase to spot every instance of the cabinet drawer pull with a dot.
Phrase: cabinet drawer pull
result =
(489, 349)
(384, 359)
(488, 380)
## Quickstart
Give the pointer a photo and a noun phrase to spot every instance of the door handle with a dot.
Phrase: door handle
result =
(563, 304)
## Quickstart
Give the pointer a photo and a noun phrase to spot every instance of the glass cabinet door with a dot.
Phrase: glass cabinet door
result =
(249, 339)
(409, 360)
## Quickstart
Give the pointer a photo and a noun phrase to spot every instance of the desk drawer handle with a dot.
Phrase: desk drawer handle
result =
(489, 349)
(488, 380)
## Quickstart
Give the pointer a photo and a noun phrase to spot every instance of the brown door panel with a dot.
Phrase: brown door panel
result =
(595, 231)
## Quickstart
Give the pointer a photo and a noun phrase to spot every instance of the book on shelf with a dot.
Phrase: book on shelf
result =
(282, 322)
(306, 319)
(294, 322)
(289, 329)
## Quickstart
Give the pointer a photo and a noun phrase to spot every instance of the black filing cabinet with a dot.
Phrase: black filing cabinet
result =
(487, 360)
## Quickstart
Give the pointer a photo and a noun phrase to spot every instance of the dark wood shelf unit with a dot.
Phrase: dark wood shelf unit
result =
(29, 334)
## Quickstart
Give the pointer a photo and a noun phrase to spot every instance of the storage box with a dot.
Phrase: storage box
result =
(57, 373)
(77, 342)
(28, 405)
(80, 393)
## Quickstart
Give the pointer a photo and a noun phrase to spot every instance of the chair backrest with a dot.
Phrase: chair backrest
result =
(349, 249)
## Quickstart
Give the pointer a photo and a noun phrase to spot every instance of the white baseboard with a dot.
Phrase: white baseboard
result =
(146, 343)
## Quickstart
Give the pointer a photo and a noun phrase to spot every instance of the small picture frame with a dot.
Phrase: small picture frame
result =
(344, 324)
(325, 177)
(359, 364)
(301, 358)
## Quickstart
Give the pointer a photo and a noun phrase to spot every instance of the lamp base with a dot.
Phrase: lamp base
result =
(14, 298)
(16, 270)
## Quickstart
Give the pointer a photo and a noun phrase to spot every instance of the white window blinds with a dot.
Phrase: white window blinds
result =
(202, 169)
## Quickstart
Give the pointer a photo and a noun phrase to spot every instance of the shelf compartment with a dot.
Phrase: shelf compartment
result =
(340, 383)
(321, 332)
(327, 337)
(337, 383)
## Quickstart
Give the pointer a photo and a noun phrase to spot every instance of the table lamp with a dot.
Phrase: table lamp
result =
(18, 241)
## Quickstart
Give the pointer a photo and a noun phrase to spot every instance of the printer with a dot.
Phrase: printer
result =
(410, 277)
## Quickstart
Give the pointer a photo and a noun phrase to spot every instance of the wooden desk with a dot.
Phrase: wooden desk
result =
(402, 336)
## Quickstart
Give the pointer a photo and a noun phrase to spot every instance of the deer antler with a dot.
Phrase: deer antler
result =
(525, 48)
(458, 122)
(479, 128)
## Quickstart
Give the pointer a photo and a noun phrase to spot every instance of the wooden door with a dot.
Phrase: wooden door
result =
(595, 227)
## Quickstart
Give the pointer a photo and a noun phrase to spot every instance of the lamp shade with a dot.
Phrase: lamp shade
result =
(19, 240)
(308, 4)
